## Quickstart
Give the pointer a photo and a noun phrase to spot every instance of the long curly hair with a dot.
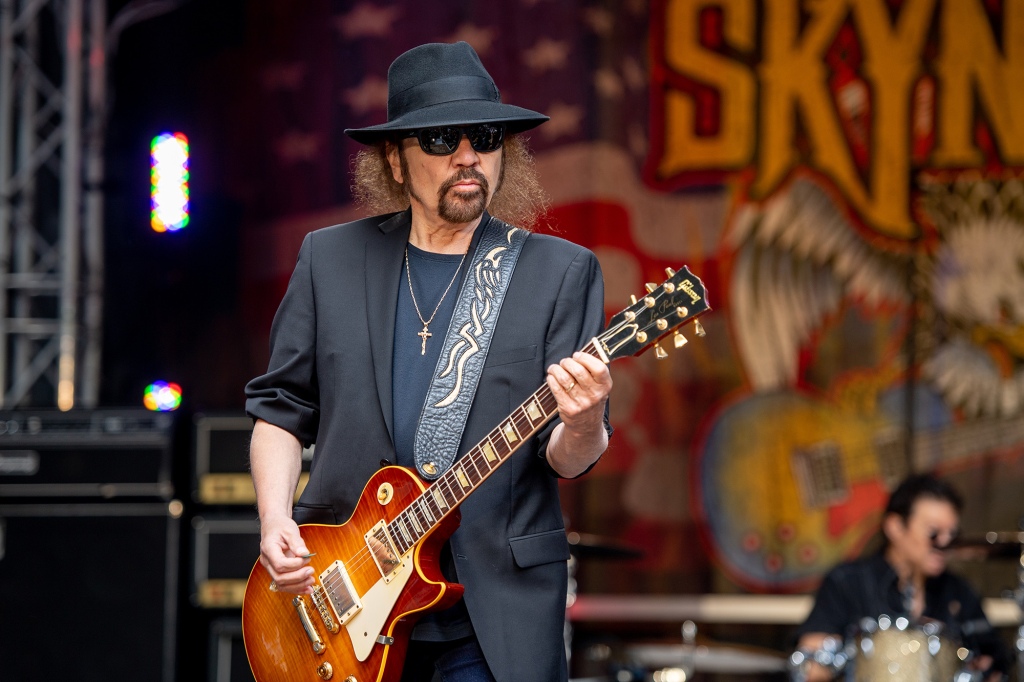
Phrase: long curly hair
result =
(519, 199)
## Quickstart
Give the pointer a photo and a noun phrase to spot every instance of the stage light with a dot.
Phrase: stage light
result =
(168, 175)
(161, 396)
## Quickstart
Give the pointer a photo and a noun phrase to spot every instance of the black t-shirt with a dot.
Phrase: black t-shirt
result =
(413, 370)
(869, 588)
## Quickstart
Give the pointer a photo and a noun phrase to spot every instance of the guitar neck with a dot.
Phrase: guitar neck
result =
(630, 332)
(469, 471)
(964, 440)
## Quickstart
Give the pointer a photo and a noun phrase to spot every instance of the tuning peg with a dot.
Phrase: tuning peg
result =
(670, 272)
(632, 298)
(698, 328)
(679, 340)
(650, 286)
(660, 352)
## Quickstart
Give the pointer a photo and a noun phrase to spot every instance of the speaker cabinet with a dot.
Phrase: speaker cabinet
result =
(88, 592)
(86, 455)
(228, 662)
(221, 471)
(225, 550)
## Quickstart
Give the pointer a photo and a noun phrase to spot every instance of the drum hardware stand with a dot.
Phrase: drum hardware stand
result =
(687, 658)
(1019, 595)
(689, 662)
(832, 656)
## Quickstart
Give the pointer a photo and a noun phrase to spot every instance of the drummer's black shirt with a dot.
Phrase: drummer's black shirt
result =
(869, 588)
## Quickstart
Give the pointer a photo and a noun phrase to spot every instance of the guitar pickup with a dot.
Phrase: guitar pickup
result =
(382, 549)
(338, 589)
(821, 478)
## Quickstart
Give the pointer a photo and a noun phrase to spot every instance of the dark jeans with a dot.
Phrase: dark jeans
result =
(457, 661)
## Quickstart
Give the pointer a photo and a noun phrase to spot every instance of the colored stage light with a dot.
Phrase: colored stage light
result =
(161, 396)
(168, 175)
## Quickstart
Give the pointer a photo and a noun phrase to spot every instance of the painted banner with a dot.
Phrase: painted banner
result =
(844, 176)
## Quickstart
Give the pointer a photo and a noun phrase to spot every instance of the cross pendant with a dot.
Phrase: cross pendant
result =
(424, 335)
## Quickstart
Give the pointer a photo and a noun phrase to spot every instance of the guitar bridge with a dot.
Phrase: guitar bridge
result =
(382, 549)
(340, 593)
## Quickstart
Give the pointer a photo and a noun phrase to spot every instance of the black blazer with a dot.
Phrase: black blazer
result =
(329, 382)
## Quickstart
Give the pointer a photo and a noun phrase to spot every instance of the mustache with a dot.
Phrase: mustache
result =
(464, 174)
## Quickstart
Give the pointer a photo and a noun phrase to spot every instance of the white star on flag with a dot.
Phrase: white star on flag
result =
(479, 37)
(636, 76)
(601, 21)
(546, 55)
(565, 120)
(371, 94)
(367, 20)
(608, 84)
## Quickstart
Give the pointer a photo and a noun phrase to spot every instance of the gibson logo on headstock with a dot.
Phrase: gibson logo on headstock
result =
(687, 286)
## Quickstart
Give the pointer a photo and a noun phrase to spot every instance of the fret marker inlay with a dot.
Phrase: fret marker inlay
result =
(441, 503)
(489, 453)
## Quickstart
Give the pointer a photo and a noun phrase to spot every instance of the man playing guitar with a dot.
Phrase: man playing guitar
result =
(358, 346)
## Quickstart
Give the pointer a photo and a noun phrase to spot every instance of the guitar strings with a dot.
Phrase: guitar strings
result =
(418, 507)
(363, 555)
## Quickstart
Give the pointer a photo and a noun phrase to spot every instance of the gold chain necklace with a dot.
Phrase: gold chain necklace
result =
(425, 334)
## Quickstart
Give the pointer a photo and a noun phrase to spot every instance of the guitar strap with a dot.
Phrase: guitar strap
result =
(457, 375)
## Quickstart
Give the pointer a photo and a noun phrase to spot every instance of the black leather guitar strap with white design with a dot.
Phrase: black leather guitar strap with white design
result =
(457, 375)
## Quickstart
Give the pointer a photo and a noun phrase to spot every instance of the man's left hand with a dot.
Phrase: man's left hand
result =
(581, 385)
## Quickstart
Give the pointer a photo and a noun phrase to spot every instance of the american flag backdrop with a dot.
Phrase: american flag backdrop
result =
(742, 139)
(305, 72)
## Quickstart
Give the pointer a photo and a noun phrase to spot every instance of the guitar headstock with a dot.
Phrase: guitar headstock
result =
(661, 311)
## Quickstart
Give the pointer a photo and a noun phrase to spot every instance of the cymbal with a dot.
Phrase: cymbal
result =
(709, 658)
(589, 546)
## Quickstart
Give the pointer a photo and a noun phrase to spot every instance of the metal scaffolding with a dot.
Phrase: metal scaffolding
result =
(52, 91)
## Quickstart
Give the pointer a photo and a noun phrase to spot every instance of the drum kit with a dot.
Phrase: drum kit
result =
(689, 660)
(882, 648)
(887, 648)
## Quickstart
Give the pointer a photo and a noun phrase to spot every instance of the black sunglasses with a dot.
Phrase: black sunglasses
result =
(934, 538)
(442, 141)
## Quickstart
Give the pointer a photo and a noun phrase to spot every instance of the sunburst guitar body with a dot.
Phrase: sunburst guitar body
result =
(301, 637)
(379, 572)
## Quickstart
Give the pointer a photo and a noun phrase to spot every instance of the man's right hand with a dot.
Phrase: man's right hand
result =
(275, 457)
(284, 554)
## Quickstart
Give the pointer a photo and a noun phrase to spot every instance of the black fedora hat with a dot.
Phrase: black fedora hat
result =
(440, 84)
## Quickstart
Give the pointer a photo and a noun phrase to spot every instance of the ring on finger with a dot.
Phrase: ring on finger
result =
(569, 388)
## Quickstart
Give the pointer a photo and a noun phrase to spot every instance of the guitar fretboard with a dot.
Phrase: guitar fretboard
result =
(469, 471)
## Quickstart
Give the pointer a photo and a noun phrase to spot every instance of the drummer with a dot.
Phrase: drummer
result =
(907, 577)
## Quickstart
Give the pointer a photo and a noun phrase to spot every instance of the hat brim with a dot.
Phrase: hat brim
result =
(459, 112)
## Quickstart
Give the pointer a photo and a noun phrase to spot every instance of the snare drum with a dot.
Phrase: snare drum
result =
(888, 649)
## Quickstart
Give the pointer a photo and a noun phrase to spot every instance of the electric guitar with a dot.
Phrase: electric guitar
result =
(378, 573)
(791, 483)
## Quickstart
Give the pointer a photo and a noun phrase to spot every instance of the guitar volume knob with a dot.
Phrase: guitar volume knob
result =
(325, 670)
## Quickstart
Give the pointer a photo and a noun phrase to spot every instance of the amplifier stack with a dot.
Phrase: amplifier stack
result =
(225, 537)
(89, 545)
